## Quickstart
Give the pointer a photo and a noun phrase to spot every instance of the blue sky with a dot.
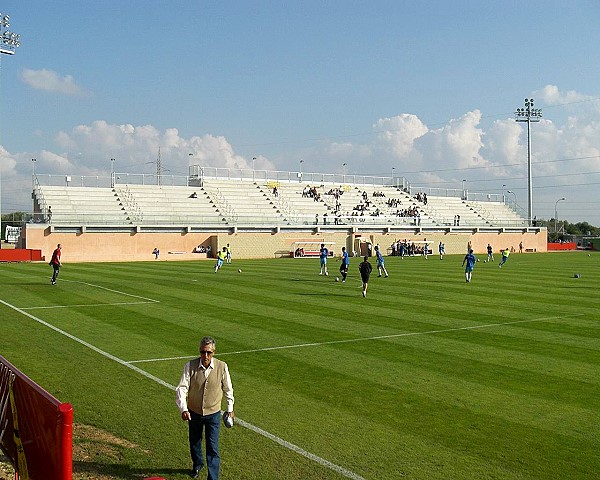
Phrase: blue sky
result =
(428, 88)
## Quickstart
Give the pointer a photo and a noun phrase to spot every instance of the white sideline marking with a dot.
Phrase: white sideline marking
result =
(363, 339)
(114, 291)
(321, 461)
(85, 305)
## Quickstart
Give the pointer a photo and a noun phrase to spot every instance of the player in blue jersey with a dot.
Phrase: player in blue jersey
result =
(490, 252)
(380, 263)
(323, 254)
(470, 261)
(345, 259)
(442, 250)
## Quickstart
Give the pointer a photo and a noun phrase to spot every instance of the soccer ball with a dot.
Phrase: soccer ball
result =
(337, 279)
(485, 261)
(589, 254)
(227, 420)
(239, 270)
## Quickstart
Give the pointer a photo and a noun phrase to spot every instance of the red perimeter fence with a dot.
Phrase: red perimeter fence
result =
(36, 430)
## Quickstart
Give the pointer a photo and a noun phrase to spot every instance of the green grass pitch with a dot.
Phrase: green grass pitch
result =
(429, 377)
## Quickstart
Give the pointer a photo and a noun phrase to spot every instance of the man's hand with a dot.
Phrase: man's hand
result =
(185, 416)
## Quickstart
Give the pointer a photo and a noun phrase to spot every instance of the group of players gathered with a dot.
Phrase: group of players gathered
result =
(365, 268)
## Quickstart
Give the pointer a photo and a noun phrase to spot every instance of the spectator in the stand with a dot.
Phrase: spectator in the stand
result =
(194, 195)
(316, 218)
(49, 214)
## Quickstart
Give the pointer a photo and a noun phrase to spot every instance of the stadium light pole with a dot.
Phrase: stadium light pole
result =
(9, 41)
(344, 170)
(300, 177)
(112, 173)
(513, 193)
(556, 214)
(33, 162)
(529, 114)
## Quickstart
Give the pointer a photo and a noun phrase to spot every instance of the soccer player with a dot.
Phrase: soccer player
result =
(490, 252)
(442, 250)
(365, 270)
(505, 254)
(221, 254)
(55, 263)
(345, 264)
(228, 256)
(323, 254)
(425, 250)
(470, 260)
(380, 262)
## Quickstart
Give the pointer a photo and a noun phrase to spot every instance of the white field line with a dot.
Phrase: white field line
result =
(321, 461)
(363, 339)
(49, 307)
(114, 291)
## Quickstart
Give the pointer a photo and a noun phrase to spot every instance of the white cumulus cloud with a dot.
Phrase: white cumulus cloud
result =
(51, 81)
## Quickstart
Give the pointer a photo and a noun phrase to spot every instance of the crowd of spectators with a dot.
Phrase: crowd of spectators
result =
(405, 248)
(421, 197)
(203, 249)
(311, 192)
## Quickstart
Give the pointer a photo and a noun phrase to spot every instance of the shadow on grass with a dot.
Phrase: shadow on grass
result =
(82, 469)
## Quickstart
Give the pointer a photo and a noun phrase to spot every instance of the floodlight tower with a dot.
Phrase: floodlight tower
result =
(528, 114)
(9, 41)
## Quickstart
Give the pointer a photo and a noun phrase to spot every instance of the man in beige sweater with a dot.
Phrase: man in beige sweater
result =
(199, 393)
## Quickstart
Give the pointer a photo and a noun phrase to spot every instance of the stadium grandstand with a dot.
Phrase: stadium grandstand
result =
(125, 216)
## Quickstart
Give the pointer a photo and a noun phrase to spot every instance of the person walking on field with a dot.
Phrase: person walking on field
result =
(470, 260)
(323, 254)
(504, 259)
(198, 396)
(55, 263)
(490, 253)
(365, 269)
(380, 263)
(221, 254)
(345, 259)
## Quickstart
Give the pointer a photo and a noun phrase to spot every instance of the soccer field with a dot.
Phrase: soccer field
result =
(428, 377)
